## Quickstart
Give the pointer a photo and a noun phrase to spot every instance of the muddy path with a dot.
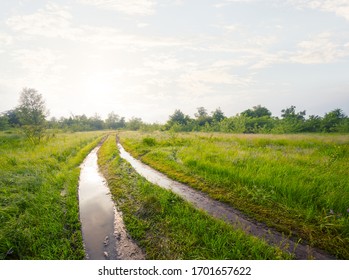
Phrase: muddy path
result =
(225, 212)
(103, 230)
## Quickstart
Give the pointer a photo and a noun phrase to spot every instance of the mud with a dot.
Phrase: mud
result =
(103, 230)
(225, 212)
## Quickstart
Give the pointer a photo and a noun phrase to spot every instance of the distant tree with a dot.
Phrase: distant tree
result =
(292, 121)
(9, 119)
(258, 119)
(312, 124)
(257, 112)
(178, 118)
(32, 114)
(134, 124)
(290, 114)
(218, 115)
(333, 120)
(202, 117)
(227, 125)
(4, 124)
(202, 112)
(53, 123)
(112, 121)
(13, 117)
(239, 123)
(96, 122)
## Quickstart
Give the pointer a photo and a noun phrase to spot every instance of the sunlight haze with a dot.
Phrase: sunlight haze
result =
(146, 58)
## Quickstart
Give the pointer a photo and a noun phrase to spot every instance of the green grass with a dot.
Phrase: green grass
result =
(298, 184)
(39, 214)
(166, 226)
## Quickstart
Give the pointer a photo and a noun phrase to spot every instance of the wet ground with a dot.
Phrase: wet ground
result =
(223, 211)
(103, 230)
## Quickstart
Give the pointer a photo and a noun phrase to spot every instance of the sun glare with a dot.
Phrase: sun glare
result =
(97, 85)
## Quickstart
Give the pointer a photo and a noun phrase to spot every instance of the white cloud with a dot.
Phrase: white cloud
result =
(51, 21)
(130, 7)
(5, 39)
(142, 24)
(37, 60)
(40, 67)
(339, 7)
(267, 59)
(54, 21)
(162, 63)
(227, 2)
(319, 49)
(202, 81)
(107, 38)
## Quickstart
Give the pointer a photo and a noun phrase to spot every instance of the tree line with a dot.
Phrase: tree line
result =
(259, 120)
(31, 117)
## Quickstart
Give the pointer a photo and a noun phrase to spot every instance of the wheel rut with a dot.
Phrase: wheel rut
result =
(225, 212)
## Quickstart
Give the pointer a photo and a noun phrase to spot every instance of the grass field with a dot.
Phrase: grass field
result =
(298, 184)
(39, 216)
(166, 226)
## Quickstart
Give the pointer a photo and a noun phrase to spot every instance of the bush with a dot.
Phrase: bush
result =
(149, 141)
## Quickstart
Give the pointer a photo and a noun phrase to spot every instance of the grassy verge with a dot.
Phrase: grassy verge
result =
(166, 226)
(39, 213)
(298, 184)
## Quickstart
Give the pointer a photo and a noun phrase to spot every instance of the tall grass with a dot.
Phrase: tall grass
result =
(166, 226)
(39, 214)
(298, 184)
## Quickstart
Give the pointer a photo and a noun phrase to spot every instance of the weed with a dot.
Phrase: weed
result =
(149, 141)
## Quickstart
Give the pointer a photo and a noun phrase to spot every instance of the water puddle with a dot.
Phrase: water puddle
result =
(102, 225)
(223, 211)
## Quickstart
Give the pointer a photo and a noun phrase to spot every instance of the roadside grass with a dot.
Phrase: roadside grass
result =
(166, 226)
(298, 184)
(39, 211)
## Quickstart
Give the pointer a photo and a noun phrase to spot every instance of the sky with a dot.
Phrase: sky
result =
(147, 58)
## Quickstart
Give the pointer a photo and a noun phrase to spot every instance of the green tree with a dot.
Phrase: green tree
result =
(32, 115)
(313, 124)
(134, 124)
(218, 115)
(96, 122)
(292, 121)
(258, 119)
(178, 118)
(113, 121)
(202, 117)
(177, 121)
(4, 124)
(257, 112)
(333, 120)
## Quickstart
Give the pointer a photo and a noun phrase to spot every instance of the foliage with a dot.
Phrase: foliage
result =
(218, 115)
(134, 124)
(178, 118)
(114, 121)
(257, 112)
(333, 120)
(259, 120)
(32, 114)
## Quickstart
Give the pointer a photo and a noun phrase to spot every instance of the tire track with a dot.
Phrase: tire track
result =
(225, 212)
